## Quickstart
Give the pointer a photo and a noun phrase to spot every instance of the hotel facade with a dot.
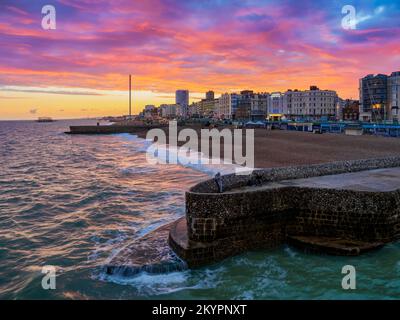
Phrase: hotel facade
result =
(312, 104)
(380, 97)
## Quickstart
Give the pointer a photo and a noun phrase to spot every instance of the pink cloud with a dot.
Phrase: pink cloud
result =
(168, 43)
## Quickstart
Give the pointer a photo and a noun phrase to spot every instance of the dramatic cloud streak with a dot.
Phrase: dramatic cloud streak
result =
(51, 91)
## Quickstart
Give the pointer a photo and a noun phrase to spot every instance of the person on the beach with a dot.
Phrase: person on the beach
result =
(218, 180)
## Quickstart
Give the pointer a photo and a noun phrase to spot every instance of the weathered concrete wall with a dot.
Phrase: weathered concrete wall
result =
(356, 215)
(112, 129)
(263, 176)
(224, 224)
(366, 216)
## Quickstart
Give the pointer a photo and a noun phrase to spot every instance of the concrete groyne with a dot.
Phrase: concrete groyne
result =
(112, 129)
(343, 208)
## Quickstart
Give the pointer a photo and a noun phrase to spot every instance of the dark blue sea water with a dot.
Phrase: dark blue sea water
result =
(71, 201)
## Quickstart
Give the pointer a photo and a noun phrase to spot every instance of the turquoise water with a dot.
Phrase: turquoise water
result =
(71, 201)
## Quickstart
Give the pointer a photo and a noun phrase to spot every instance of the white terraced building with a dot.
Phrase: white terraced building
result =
(224, 109)
(227, 105)
(313, 104)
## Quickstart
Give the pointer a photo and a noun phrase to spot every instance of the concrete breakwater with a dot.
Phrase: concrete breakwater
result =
(112, 129)
(339, 208)
(343, 208)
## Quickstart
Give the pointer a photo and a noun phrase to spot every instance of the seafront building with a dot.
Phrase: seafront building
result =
(251, 106)
(194, 110)
(312, 104)
(224, 107)
(150, 111)
(244, 106)
(259, 106)
(207, 107)
(169, 110)
(227, 105)
(380, 97)
(210, 95)
(379, 101)
(243, 111)
(394, 95)
(277, 106)
(182, 100)
(374, 98)
(350, 110)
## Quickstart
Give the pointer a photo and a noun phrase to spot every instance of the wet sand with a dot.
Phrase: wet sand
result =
(278, 148)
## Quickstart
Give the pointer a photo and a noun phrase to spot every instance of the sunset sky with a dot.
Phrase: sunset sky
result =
(81, 69)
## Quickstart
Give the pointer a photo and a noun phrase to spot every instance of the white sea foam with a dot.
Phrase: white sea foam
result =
(148, 284)
(164, 153)
(138, 144)
(137, 170)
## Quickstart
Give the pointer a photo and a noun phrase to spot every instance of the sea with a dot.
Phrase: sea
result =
(72, 201)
